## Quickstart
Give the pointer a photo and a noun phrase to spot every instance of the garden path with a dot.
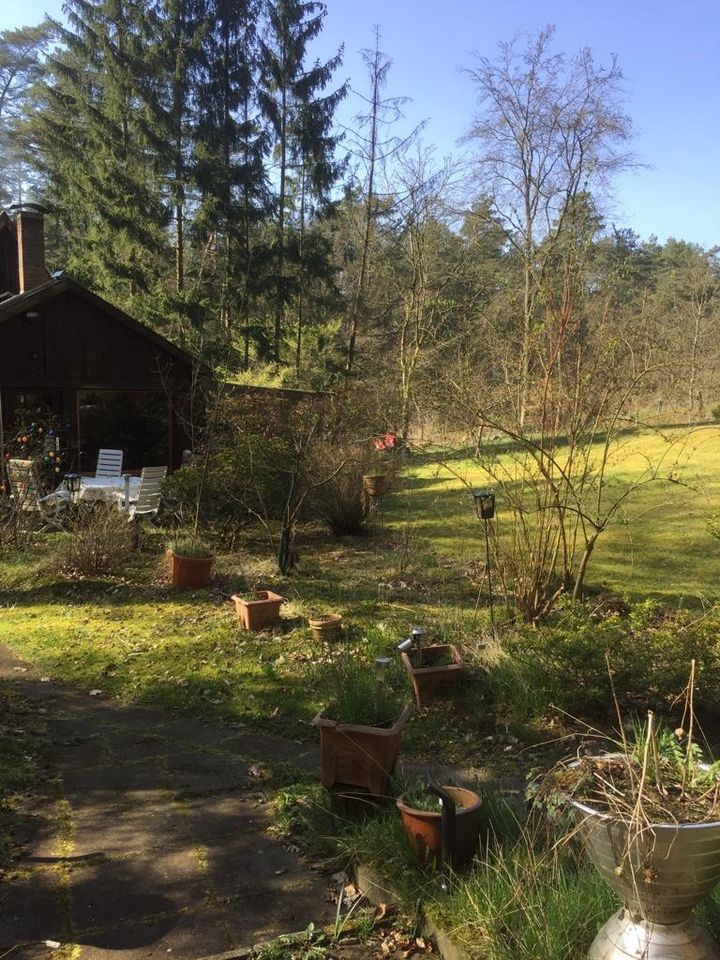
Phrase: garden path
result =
(147, 837)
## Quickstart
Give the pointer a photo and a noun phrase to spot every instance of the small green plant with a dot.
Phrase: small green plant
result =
(353, 693)
(416, 795)
(190, 547)
(715, 413)
(657, 775)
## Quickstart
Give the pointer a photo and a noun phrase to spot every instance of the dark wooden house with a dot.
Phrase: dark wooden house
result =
(104, 378)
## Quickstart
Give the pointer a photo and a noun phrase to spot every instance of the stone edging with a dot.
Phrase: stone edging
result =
(378, 890)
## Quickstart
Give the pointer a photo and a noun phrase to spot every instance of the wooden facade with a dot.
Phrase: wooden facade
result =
(68, 351)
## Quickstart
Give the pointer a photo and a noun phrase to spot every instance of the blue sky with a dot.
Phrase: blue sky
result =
(669, 52)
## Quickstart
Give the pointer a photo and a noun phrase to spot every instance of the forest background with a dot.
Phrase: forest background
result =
(189, 155)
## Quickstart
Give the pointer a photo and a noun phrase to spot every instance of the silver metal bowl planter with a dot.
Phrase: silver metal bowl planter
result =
(661, 873)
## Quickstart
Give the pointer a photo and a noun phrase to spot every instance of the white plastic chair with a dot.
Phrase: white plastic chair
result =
(109, 463)
(25, 491)
(148, 498)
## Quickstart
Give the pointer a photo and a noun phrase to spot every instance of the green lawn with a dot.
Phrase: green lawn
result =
(131, 636)
(658, 547)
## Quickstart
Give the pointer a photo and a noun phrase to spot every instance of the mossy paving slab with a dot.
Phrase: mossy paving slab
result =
(118, 891)
(115, 830)
(31, 909)
(202, 772)
(159, 850)
(211, 819)
(193, 934)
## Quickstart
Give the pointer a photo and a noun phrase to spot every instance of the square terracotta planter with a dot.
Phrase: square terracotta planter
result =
(261, 612)
(189, 573)
(358, 756)
(432, 682)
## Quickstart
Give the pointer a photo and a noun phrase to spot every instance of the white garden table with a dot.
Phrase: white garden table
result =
(120, 490)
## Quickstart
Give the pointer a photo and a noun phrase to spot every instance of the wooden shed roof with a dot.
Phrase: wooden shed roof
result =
(23, 302)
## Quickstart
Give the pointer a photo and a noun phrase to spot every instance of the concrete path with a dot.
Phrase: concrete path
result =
(148, 838)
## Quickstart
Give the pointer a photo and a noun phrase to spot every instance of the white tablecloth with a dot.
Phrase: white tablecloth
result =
(106, 488)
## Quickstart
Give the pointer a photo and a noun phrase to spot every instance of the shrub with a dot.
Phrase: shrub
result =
(339, 502)
(245, 476)
(564, 662)
(715, 412)
(99, 542)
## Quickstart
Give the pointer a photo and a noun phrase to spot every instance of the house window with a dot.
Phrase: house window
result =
(136, 422)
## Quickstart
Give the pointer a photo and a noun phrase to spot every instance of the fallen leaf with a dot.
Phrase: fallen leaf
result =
(381, 911)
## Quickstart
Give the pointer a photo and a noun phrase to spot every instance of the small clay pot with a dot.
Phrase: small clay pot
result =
(263, 610)
(422, 827)
(327, 627)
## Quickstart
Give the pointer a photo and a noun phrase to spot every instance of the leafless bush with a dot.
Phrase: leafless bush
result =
(98, 542)
(339, 502)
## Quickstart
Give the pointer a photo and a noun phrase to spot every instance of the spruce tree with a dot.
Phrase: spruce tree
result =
(301, 122)
(93, 148)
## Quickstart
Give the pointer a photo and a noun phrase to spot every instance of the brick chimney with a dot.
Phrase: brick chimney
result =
(32, 271)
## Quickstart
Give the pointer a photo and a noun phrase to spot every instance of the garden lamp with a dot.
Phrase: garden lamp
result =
(484, 501)
(484, 504)
(73, 482)
(405, 645)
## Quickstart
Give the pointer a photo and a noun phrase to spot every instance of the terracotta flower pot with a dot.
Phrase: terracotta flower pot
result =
(358, 756)
(261, 611)
(432, 682)
(376, 485)
(189, 573)
(423, 827)
(327, 627)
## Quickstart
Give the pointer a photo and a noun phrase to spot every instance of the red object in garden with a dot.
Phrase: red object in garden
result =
(189, 573)
(259, 611)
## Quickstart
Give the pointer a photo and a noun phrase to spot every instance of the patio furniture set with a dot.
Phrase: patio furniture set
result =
(136, 496)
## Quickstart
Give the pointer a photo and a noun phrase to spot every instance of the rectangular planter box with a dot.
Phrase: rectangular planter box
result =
(359, 756)
(434, 682)
(260, 613)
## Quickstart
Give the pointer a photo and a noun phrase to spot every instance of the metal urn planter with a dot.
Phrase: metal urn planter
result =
(661, 872)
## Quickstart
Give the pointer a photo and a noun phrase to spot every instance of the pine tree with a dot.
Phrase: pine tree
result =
(20, 66)
(301, 122)
(93, 148)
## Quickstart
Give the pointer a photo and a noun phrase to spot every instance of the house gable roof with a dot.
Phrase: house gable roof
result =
(20, 303)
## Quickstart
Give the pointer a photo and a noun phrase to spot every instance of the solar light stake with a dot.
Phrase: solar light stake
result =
(447, 830)
(73, 482)
(381, 665)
